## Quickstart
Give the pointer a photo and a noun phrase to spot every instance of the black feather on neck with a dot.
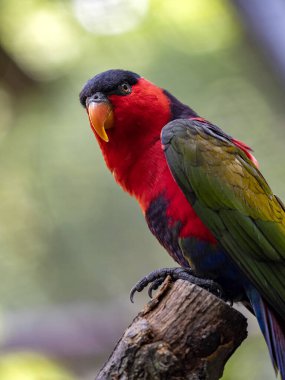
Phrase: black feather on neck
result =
(178, 109)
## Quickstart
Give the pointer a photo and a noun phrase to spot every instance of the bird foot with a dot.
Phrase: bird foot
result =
(155, 279)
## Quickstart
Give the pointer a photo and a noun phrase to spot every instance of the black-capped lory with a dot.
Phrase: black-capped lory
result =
(202, 195)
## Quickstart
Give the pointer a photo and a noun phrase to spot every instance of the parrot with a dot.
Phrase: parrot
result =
(202, 195)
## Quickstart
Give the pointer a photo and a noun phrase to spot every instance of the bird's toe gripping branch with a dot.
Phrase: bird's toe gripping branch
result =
(155, 279)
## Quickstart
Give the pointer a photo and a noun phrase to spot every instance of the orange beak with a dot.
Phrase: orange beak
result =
(101, 118)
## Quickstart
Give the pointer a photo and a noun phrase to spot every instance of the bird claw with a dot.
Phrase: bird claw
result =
(156, 278)
(155, 285)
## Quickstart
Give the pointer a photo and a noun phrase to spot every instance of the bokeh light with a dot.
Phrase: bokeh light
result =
(110, 16)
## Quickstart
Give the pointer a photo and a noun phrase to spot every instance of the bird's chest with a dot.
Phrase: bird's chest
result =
(172, 220)
(165, 228)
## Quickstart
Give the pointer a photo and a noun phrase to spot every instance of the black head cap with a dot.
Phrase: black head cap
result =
(107, 82)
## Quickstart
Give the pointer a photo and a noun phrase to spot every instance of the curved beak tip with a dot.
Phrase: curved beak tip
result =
(101, 118)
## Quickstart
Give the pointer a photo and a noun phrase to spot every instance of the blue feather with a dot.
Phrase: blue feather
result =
(272, 328)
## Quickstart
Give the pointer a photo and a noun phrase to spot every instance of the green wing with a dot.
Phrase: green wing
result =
(233, 199)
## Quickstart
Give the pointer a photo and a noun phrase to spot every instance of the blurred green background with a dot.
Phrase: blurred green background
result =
(71, 242)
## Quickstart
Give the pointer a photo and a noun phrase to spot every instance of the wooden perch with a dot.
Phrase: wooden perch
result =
(184, 333)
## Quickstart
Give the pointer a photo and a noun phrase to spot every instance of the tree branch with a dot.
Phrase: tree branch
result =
(184, 333)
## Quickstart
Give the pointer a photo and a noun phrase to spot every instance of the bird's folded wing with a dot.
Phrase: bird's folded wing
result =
(233, 199)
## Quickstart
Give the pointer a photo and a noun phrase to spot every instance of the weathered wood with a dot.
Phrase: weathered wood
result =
(184, 333)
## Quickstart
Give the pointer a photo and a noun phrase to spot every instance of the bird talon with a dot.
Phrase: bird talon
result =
(137, 288)
(156, 278)
(155, 285)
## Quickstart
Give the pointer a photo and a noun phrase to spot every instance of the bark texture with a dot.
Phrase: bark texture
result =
(184, 333)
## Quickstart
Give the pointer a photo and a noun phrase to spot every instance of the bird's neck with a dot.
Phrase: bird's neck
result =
(149, 175)
(141, 171)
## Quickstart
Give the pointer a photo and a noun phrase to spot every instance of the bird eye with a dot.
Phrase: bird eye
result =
(125, 88)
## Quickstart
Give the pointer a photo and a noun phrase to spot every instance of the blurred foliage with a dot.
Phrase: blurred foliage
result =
(67, 232)
(30, 366)
(250, 362)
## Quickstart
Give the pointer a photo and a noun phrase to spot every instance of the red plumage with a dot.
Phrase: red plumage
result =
(144, 113)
